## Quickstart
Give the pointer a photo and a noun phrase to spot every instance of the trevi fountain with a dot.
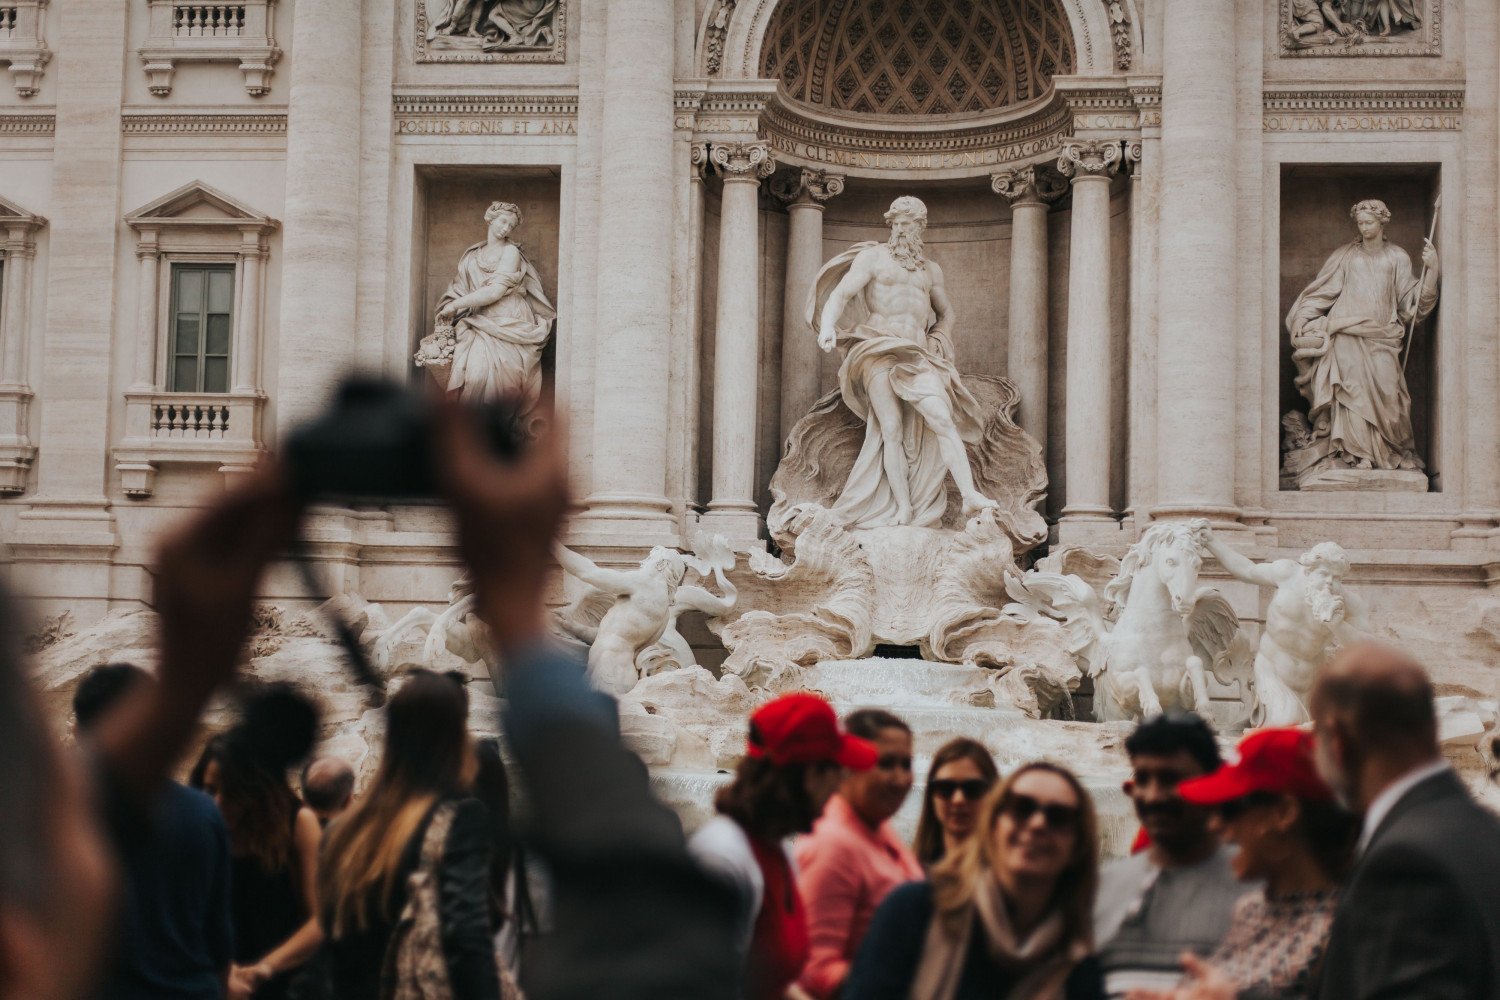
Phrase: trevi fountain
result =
(1026, 367)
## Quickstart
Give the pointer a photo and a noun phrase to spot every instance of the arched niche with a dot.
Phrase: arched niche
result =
(1094, 26)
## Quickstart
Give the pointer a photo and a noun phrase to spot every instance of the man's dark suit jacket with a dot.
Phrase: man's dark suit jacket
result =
(1420, 919)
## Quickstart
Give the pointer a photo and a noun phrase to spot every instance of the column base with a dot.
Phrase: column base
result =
(626, 520)
(740, 525)
(1088, 525)
(1475, 531)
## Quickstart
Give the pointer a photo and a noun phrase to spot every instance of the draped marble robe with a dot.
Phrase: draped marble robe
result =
(917, 369)
(499, 346)
(1353, 317)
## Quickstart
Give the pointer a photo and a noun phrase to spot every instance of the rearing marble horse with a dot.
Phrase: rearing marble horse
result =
(1166, 631)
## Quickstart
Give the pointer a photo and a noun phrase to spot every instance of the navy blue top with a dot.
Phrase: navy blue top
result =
(175, 934)
(892, 949)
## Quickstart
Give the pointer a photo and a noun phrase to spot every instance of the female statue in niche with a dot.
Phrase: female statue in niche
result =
(1347, 330)
(494, 320)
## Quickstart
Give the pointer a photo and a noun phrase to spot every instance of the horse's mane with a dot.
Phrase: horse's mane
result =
(1118, 589)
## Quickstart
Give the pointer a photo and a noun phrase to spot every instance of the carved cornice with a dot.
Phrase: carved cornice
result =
(1147, 98)
(806, 186)
(204, 123)
(27, 123)
(486, 114)
(972, 147)
(1407, 109)
(1082, 158)
(1444, 98)
(742, 161)
(486, 104)
(1028, 185)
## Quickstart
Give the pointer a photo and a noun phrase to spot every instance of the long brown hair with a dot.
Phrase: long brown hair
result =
(929, 840)
(767, 800)
(956, 878)
(258, 806)
(425, 746)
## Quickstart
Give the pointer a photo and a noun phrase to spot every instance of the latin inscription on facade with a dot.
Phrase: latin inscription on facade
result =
(946, 160)
(1362, 123)
(486, 126)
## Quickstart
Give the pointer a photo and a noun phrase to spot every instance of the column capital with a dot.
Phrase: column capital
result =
(1081, 158)
(742, 161)
(1029, 185)
(698, 158)
(807, 186)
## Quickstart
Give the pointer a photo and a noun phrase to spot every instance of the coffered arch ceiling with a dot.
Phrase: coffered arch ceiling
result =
(917, 57)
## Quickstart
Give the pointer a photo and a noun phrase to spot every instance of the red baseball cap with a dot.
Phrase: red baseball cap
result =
(801, 729)
(1278, 761)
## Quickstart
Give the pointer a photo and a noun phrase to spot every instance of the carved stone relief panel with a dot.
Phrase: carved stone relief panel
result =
(491, 31)
(1360, 27)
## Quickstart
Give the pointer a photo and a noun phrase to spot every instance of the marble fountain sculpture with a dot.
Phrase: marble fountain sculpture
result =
(902, 509)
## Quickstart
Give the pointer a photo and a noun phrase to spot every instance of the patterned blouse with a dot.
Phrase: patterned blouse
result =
(1274, 946)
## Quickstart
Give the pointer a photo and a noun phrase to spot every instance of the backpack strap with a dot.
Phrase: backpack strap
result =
(437, 837)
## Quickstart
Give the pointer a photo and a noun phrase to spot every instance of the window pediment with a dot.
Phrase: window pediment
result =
(197, 205)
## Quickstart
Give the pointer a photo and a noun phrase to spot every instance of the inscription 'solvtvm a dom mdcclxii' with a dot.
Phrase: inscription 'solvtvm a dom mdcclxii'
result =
(1047, 358)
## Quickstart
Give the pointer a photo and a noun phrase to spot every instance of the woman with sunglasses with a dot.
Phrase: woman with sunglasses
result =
(1008, 914)
(962, 772)
(1291, 835)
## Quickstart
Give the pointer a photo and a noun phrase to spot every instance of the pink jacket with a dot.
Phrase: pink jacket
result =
(846, 870)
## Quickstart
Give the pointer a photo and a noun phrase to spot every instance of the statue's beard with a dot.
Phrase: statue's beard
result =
(1326, 603)
(906, 251)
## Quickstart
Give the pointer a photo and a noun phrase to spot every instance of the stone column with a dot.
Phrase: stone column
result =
(147, 311)
(247, 323)
(629, 505)
(1028, 190)
(1197, 312)
(19, 251)
(1090, 163)
(731, 511)
(804, 192)
(70, 523)
(320, 251)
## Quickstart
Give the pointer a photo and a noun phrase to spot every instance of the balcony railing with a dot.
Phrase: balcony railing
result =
(7, 22)
(200, 20)
(190, 419)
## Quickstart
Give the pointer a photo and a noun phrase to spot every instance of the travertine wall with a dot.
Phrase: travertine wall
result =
(424, 146)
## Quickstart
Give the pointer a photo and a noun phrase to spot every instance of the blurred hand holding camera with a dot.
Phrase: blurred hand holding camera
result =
(509, 513)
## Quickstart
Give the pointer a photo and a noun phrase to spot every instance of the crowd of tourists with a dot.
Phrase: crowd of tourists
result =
(1346, 860)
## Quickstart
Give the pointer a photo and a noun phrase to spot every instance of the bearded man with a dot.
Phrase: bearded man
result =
(887, 307)
(1309, 617)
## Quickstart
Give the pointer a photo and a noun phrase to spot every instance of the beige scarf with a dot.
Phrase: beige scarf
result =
(1043, 959)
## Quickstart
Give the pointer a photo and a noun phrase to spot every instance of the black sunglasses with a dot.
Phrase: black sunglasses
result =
(891, 761)
(1056, 815)
(1235, 808)
(973, 788)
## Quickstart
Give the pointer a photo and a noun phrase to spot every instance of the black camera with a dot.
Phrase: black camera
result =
(375, 444)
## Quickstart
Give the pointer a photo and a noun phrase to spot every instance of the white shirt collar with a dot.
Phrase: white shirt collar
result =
(1387, 799)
